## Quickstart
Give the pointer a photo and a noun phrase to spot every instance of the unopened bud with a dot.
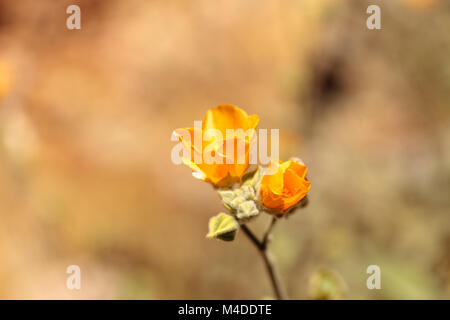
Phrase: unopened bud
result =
(247, 210)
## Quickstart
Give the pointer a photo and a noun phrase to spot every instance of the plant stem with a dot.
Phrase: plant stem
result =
(267, 235)
(268, 261)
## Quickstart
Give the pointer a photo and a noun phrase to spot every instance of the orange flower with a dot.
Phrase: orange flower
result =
(286, 187)
(216, 155)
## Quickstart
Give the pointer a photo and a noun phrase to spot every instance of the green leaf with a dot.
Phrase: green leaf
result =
(223, 227)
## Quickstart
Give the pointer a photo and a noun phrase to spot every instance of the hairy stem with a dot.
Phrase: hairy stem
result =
(268, 261)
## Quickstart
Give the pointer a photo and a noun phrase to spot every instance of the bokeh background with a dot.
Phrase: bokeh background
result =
(86, 118)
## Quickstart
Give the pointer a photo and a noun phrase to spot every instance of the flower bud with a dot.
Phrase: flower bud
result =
(227, 198)
(237, 202)
(247, 210)
(248, 192)
(232, 199)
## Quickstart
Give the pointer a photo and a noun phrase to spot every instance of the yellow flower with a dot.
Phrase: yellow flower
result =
(286, 187)
(216, 155)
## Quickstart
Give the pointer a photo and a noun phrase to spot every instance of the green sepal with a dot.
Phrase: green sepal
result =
(254, 179)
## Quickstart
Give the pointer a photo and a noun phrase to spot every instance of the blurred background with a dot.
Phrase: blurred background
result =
(86, 118)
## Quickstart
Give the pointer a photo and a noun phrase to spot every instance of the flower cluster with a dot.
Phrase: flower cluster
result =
(245, 191)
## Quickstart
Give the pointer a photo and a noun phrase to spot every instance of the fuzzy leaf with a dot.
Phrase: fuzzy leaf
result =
(223, 227)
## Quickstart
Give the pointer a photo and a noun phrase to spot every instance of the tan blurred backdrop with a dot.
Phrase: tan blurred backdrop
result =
(86, 118)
